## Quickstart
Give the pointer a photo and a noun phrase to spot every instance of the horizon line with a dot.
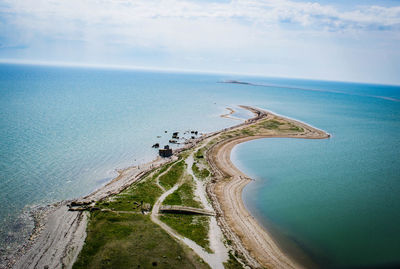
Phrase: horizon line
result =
(170, 70)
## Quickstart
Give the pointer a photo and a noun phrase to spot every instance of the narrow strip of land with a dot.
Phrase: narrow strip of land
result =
(248, 243)
(256, 245)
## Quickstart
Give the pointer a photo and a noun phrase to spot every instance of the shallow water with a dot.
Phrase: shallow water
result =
(64, 131)
(336, 199)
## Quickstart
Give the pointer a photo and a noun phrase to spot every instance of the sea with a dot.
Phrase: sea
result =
(333, 203)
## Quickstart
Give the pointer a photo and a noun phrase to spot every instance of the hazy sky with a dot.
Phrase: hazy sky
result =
(335, 40)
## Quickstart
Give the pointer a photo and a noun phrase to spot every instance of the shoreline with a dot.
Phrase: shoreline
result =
(253, 241)
(59, 235)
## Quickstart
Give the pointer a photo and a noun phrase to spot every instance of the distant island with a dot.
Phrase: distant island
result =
(183, 211)
(237, 82)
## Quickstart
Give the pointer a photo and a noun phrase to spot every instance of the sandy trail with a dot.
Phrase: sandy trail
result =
(215, 235)
(200, 191)
(207, 257)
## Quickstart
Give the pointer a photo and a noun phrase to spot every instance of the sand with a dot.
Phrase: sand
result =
(250, 239)
(60, 241)
(58, 244)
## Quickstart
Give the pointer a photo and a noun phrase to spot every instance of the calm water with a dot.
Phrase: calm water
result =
(337, 199)
(63, 131)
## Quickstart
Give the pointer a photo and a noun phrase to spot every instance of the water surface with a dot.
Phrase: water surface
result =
(64, 131)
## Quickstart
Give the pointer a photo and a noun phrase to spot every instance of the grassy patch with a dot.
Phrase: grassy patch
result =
(130, 241)
(271, 124)
(296, 128)
(232, 263)
(200, 173)
(247, 132)
(163, 169)
(170, 178)
(184, 195)
(184, 154)
(199, 154)
(146, 191)
(194, 227)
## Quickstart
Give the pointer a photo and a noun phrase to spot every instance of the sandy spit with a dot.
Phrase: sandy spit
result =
(62, 233)
(249, 238)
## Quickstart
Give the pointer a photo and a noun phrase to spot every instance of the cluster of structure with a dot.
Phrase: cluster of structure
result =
(167, 151)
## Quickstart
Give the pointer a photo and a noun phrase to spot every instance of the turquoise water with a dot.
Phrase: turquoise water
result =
(337, 199)
(64, 131)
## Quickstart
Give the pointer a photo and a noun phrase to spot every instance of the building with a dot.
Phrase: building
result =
(165, 152)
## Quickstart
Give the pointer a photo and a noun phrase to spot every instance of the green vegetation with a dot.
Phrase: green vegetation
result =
(232, 263)
(146, 191)
(194, 227)
(199, 158)
(131, 241)
(184, 195)
(120, 240)
(169, 179)
(247, 131)
(200, 173)
(199, 154)
(271, 124)
(184, 154)
(163, 169)
(296, 128)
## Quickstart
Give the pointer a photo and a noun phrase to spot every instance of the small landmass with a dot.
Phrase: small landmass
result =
(183, 210)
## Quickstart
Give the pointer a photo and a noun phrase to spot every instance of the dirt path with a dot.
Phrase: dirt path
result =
(220, 255)
(215, 235)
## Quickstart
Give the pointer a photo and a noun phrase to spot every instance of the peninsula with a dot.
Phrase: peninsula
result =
(184, 211)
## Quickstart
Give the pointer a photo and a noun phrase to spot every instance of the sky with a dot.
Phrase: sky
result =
(345, 40)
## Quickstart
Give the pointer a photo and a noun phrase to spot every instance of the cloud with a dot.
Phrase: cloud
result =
(257, 34)
(264, 12)
(185, 24)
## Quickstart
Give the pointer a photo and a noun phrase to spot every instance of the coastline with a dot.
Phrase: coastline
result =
(60, 235)
(252, 240)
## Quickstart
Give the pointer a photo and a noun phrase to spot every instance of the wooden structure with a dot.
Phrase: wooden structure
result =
(177, 209)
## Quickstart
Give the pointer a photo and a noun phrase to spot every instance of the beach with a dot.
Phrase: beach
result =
(305, 192)
(59, 242)
(253, 240)
(60, 234)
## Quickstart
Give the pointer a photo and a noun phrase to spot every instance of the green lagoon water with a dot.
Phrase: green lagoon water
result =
(64, 131)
